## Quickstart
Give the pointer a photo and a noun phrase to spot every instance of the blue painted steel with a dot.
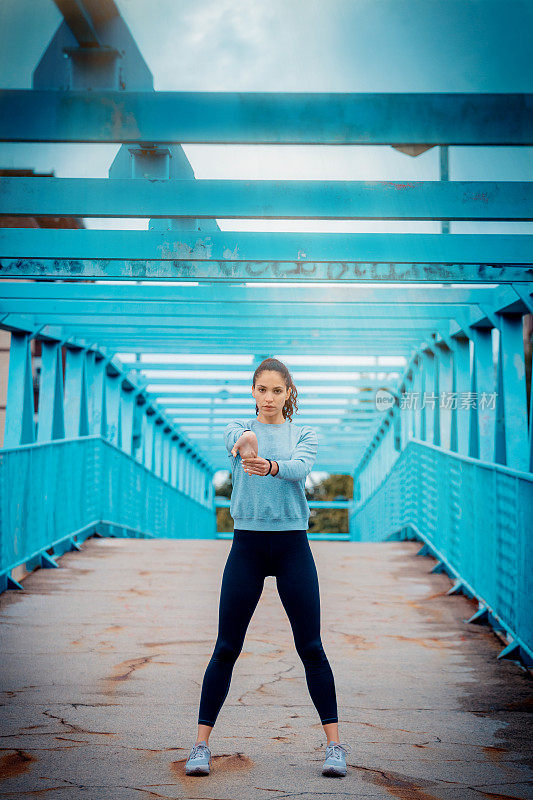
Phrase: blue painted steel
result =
(475, 516)
(259, 246)
(97, 399)
(261, 118)
(49, 492)
(223, 272)
(92, 49)
(51, 401)
(317, 537)
(419, 301)
(224, 502)
(516, 450)
(20, 409)
(265, 199)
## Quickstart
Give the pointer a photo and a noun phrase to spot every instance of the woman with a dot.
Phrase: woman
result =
(271, 516)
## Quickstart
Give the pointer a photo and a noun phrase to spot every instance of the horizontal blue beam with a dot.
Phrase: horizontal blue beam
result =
(301, 272)
(102, 312)
(28, 115)
(224, 324)
(254, 246)
(296, 346)
(209, 297)
(348, 382)
(224, 502)
(379, 334)
(228, 199)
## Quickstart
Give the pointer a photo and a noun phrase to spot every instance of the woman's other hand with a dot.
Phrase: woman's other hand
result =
(255, 465)
(246, 445)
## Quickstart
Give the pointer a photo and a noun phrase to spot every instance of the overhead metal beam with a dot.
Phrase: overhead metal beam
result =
(214, 299)
(187, 327)
(245, 372)
(266, 118)
(233, 199)
(238, 272)
(77, 16)
(228, 383)
(181, 314)
(260, 246)
(294, 346)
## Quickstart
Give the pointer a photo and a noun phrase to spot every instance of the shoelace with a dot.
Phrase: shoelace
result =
(335, 749)
(196, 749)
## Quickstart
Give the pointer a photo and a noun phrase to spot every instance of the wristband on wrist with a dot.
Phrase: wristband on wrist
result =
(270, 467)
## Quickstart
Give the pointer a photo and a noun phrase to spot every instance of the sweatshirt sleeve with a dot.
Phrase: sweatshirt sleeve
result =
(232, 432)
(303, 457)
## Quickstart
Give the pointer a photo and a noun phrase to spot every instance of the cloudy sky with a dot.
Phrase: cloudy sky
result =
(301, 45)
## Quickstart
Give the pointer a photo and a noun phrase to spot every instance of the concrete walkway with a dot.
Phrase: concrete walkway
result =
(102, 662)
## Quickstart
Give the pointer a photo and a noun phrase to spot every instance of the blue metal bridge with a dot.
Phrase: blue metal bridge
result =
(433, 416)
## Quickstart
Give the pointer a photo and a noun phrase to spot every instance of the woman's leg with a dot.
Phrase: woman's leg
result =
(297, 582)
(242, 584)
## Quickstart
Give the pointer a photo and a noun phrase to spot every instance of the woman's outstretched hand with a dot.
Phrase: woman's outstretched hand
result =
(246, 445)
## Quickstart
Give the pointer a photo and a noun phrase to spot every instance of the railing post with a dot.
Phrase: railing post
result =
(429, 393)
(418, 386)
(462, 378)
(127, 413)
(187, 472)
(113, 380)
(484, 381)
(148, 438)
(96, 364)
(158, 445)
(512, 384)
(76, 399)
(447, 422)
(407, 411)
(20, 408)
(166, 453)
(174, 447)
(139, 416)
(51, 415)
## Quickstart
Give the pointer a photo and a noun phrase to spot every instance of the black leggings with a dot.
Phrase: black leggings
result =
(253, 556)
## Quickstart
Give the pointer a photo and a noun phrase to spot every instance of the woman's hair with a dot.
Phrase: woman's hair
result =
(273, 364)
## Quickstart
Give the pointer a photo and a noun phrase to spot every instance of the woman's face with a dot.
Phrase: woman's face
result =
(270, 393)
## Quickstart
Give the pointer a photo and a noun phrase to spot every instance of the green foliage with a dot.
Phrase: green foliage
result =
(224, 520)
(327, 520)
(330, 520)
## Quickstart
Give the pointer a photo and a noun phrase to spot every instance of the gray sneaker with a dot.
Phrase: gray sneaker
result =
(199, 761)
(335, 763)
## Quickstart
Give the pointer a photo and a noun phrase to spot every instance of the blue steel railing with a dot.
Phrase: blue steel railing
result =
(475, 517)
(54, 494)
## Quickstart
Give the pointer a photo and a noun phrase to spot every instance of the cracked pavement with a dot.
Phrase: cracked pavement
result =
(102, 662)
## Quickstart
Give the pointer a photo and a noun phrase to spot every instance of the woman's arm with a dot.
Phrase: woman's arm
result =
(303, 457)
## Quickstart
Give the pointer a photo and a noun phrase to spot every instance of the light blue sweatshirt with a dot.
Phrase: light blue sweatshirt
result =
(272, 502)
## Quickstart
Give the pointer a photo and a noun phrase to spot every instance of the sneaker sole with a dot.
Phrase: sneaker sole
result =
(337, 772)
(197, 770)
